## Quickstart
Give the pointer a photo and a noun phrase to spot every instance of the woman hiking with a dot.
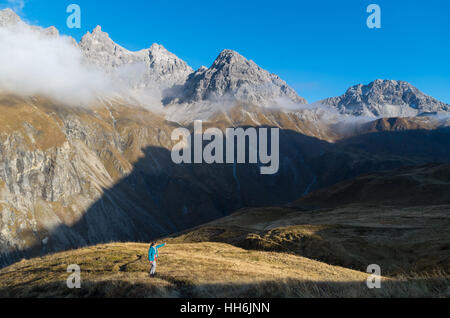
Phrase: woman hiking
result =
(152, 256)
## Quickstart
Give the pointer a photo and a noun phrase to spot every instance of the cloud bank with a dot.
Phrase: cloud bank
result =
(34, 62)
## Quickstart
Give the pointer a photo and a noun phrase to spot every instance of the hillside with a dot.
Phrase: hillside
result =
(403, 241)
(74, 176)
(398, 219)
(409, 186)
(86, 159)
(198, 270)
(315, 247)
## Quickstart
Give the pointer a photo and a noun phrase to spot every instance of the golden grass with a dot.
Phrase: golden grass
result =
(44, 130)
(400, 239)
(199, 270)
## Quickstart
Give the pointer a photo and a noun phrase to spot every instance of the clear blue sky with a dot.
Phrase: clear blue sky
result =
(319, 47)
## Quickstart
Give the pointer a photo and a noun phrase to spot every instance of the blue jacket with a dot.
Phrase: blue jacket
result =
(153, 252)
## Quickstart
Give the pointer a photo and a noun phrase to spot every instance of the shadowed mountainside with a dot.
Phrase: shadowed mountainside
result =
(272, 252)
(398, 219)
(72, 177)
(151, 202)
(409, 186)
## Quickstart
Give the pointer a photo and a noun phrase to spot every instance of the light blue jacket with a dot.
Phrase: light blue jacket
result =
(153, 252)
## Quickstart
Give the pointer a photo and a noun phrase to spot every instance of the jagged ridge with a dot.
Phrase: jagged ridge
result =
(385, 98)
(233, 76)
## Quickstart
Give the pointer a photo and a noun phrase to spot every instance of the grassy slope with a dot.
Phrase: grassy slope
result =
(398, 219)
(261, 252)
(197, 270)
(279, 252)
(403, 241)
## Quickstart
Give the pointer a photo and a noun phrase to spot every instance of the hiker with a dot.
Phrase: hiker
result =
(152, 256)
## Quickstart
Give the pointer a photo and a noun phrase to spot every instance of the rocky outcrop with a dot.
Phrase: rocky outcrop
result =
(386, 98)
(9, 18)
(71, 177)
(153, 66)
(235, 78)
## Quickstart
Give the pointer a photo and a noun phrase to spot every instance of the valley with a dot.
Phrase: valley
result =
(290, 251)
(88, 177)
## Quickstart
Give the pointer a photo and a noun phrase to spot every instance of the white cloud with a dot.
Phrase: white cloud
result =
(34, 63)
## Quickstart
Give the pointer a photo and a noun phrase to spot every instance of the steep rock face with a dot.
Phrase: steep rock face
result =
(153, 66)
(56, 163)
(234, 77)
(385, 98)
(71, 177)
(8, 18)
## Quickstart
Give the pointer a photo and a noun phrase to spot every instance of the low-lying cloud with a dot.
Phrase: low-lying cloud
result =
(32, 62)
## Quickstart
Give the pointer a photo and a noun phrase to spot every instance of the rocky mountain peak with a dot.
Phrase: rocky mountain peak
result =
(227, 57)
(51, 31)
(96, 38)
(165, 66)
(155, 47)
(8, 17)
(385, 98)
(167, 62)
(233, 76)
(98, 30)
(158, 65)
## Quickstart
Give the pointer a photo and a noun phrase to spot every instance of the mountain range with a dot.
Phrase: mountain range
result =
(77, 175)
(233, 77)
(386, 98)
(159, 66)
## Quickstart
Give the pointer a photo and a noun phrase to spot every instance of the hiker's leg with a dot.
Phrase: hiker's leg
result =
(153, 268)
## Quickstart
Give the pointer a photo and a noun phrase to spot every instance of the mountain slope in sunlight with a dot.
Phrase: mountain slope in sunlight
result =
(198, 270)
(73, 176)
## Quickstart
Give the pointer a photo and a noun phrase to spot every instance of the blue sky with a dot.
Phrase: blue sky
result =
(319, 47)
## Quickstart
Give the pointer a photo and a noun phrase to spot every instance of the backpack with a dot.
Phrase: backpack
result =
(156, 252)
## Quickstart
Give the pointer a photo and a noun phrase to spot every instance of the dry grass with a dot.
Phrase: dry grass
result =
(39, 129)
(199, 270)
(400, 239)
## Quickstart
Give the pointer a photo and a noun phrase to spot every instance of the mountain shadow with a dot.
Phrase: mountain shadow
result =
(159, 197)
